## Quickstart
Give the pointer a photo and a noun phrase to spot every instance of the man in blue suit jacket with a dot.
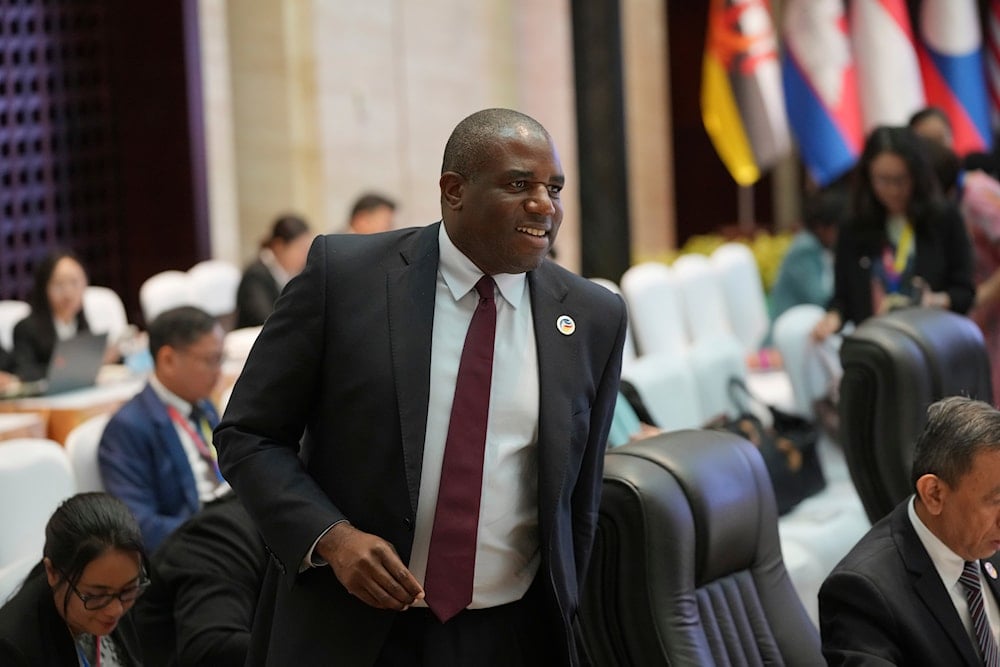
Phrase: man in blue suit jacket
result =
(334, 434)
(156, 453)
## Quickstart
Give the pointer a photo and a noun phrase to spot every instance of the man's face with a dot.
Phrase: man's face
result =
(192, 372)
(970, 511)
(505, 219)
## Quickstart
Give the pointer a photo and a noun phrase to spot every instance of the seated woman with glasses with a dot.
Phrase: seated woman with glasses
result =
(72, 608)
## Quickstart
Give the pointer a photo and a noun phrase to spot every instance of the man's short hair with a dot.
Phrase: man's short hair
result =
(179, 327)
(957, 429)
(371, 201)
(469, 146)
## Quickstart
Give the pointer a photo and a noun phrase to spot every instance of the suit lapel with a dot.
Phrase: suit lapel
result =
(167, 434)
(410, 294)
(556, 353)
(928, 585)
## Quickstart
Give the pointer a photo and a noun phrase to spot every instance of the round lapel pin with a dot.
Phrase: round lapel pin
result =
(566, 325)
(990, 570)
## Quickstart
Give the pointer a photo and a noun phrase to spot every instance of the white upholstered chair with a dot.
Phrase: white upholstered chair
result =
(744, 295)
(35, 476)
(163, 291)
(81, 447)
(214, 283)
(105, 311)
(12, 311)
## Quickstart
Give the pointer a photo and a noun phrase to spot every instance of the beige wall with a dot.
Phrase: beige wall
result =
(329, 98)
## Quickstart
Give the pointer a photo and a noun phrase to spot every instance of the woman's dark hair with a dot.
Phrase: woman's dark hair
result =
(286, 228)
(85, 526)
(900, 141)
(39, 297)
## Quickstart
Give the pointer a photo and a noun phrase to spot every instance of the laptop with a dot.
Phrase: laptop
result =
(74, 364)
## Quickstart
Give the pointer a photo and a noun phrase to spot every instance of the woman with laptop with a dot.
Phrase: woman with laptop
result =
(56, 314)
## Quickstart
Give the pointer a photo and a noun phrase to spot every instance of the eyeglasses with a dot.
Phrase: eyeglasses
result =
(207, 360)
(126, 596)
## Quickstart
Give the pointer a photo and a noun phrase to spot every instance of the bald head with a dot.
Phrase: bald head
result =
(470, 146)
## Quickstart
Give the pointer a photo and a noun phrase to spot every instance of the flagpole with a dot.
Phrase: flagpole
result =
(745, 210)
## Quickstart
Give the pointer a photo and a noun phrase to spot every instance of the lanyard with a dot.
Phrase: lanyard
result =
(97, 653)
(200, 442)
(903, 248)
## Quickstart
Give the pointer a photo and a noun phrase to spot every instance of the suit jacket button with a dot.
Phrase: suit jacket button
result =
(408, 522)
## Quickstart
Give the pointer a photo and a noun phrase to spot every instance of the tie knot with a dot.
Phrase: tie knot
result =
(970, 575)
(196, 413)
(485, 288)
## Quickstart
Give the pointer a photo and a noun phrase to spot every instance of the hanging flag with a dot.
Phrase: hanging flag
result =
(951, 62)
(889, 81)
(821, 87)
(742, 105)
(992, 56)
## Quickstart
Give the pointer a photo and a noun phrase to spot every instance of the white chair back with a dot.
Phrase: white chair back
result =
(81, 448)
(654, 307)
(105, 311)
(629, 352)
(743, 290)
(668, 388)
(163, 291)
(800, 355)
(12, 311)
(35, 476)
(214, 283)
(702, 299)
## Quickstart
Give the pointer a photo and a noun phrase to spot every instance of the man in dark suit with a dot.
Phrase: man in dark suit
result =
(205, 577)
(905, 594)
(360, 362)
(156, 451)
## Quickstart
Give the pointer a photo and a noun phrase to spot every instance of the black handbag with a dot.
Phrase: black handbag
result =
(788, 446)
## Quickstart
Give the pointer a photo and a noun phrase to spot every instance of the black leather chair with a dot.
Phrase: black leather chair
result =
(895, 366)
(687, 566)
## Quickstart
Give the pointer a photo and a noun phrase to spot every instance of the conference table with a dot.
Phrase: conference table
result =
(55, 416)
(61, 413)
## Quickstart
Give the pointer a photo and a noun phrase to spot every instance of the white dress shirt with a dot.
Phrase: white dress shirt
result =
(949, 566)
(205, 480)
(507, 551)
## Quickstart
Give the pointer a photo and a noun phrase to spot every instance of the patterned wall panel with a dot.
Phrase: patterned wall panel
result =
(57, 146)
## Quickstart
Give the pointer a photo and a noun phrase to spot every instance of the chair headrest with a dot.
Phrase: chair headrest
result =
(729, 493)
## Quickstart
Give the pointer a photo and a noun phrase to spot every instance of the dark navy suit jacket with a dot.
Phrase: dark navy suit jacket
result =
(345, 360)
(143, 462)
(885, 604)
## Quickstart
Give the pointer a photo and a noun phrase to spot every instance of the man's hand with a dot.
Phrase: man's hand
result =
(369, 568)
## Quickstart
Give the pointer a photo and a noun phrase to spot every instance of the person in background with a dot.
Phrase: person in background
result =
(920, 588)
(7, 377)
(156, 452)
(205, 576)
(282, 256)
(56, 313)
(933, 124)
(370, 214)
(73, 607)
(806, 271)
(419, 432)
(905, 244)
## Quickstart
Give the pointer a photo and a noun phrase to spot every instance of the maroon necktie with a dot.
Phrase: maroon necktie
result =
(451, 557)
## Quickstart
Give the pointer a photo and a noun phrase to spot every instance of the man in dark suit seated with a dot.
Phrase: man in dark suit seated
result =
(156, 452)
(206, 576)
(920, 588)
(419, 432)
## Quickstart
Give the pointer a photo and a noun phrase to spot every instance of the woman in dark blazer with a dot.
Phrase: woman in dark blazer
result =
(905, 245)
(56, 312)
(282, 257)
(72, 608)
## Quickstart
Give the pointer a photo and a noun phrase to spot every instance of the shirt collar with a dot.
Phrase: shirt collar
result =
(461, 274)
(949, 564)
(169, 398)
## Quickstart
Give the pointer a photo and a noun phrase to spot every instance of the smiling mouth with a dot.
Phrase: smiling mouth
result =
(532, 231)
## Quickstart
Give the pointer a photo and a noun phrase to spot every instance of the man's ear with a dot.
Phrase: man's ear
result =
(452, 188)
(932, 490)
